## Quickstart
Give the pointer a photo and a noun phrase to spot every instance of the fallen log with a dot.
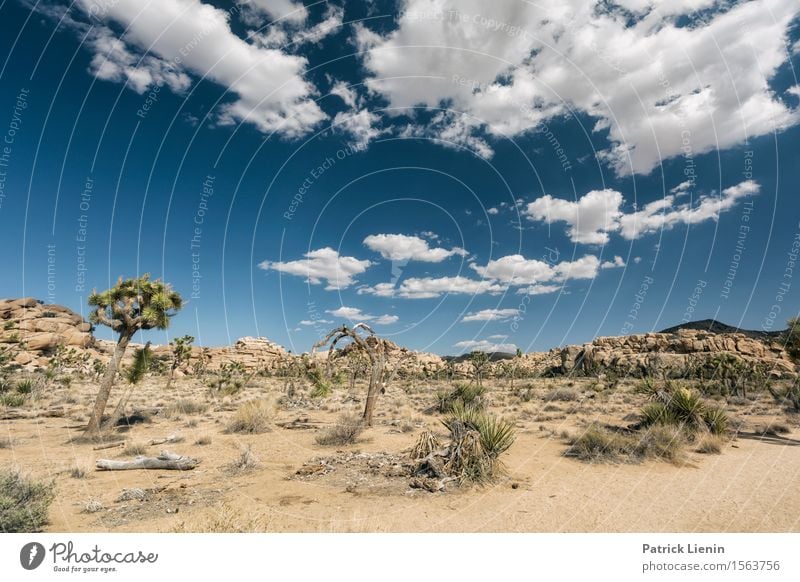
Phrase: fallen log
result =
(108, 446)
(173, 438)
(164, 461)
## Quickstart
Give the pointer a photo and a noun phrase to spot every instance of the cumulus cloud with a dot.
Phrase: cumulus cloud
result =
(182, 37)
(355, 314)
(649, 82)
(665, 213)
(400, 247)
(322, 264)
(485, 346)
(431, 287)
(589, 219)
(491, 315)
(613, 264)
(592, 217)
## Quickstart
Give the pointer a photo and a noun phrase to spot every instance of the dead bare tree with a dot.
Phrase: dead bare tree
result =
(375, 349)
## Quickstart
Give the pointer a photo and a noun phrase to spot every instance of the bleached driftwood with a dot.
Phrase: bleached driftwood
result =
(108, 446)
(166, 460)
(173, 438)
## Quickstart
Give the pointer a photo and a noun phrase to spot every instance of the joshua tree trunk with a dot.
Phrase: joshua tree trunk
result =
(93, 428)
(170, 377)
(374, 390)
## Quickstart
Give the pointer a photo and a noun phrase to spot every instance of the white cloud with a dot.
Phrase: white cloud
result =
(325, 263)
(361, 125)
(400, 247)
(617, 262)
(314, 321)
(430, 287)
(493, 211)
(290, 34)
(277, 9)
(665, 214)
(598, 213)
(355, 314)
(589, 219)
(538, 289)
(485, 346)
(491, 315)
(509, 66)
(189, 36)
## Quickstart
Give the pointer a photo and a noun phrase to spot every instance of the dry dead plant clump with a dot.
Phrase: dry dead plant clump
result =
(253, 417)
(608, 445)
(345, 432)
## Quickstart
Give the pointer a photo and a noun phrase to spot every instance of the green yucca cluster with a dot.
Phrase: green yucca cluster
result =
(322, 387)
(478, 440)
(685, 408)
(465, 396)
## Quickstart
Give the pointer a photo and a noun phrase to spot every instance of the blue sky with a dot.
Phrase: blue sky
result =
(457, 175)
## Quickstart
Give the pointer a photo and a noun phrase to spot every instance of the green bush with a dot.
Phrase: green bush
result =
(12, 399)
(23, 502)
(463, 395)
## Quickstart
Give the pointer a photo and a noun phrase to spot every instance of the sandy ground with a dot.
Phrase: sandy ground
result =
(750, 487)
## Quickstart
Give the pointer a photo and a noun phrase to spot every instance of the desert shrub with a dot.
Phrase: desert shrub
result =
(771, 429)
(344, 432)
(789, 396)
(683, 408)
(93, 505)
(463, 395)
(6, 443)
(716, 420)
(321, 386)
(252, 417)
(25, 386)
(477, 441)
(562, 395)
(24, 502)
(601, 444)
(188, 407)
(229, 379)
(203, 440)
(78, 472)
(709, 445)
(425, 445)
(246, 461)
(12, 399)
(134, 450)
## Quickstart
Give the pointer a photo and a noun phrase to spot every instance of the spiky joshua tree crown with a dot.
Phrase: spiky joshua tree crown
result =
(134, 304)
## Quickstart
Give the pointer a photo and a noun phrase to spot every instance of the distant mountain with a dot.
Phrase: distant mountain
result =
(714, 326)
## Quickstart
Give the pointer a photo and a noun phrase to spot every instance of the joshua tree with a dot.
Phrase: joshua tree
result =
(181, 352)
(479, 361)
(130, 305)
(373, 346)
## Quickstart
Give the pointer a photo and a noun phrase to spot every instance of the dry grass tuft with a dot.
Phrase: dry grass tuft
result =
(345, 432)
(252, 417)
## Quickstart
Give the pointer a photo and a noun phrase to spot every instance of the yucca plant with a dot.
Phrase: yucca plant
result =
(497, 435)
(129, 306)
(425, 445)
(716, 420)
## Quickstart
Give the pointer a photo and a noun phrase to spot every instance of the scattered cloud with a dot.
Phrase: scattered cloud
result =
(355, 314)
(491, 315)
(322, 264)
(616, 262)
(431, 287)
(592, 217)
(400, 247)
(315, 321)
